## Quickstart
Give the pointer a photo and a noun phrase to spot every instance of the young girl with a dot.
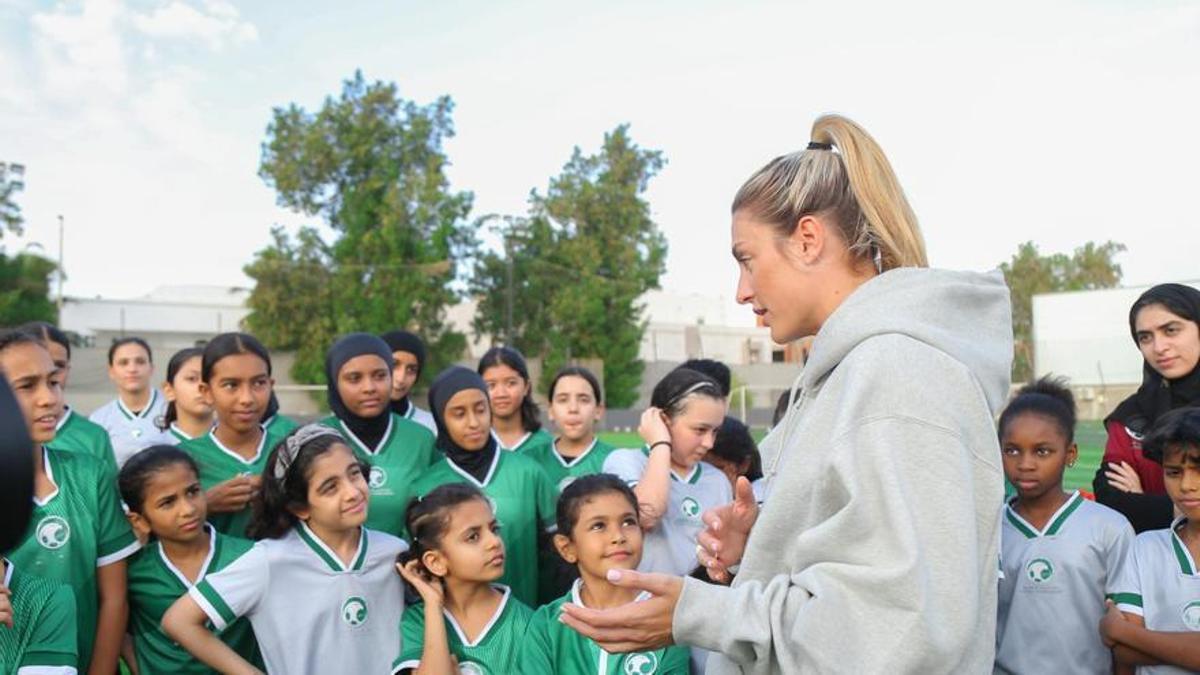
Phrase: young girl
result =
(1060, 554)
(37, 624)
(78, 534)
(521, 493)
(514, 413)
(161, 487)
(734, 452)
(75, 432)
(598, 531)
(576, 406)
(130, 418)
(466, 623)
(188, 414)
(320, 590)
(359, 379)
(408, 360)
(1153, 620)
(235, 379)
(673, 486)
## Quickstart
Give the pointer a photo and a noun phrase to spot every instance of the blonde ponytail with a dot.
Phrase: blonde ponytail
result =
(845, 174)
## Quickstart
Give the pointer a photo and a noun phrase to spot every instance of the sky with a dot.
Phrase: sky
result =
(141, 121)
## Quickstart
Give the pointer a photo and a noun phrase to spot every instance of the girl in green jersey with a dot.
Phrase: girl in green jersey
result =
(188, 414)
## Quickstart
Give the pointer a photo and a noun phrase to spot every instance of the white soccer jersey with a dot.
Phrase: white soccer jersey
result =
(131, 432)
(670, 547)
(422, 417)
(1064, 570)
(311, 613)
(1161, 584)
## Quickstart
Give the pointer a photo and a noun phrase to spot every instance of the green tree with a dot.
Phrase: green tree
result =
(580, 261)
(25, 289)
(11, 182)
(1029, 273)
(370, 164)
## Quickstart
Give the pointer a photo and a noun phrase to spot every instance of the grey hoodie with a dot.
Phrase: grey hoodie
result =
(877, 547)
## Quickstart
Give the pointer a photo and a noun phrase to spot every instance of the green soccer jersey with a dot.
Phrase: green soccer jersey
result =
(563, 472)
(524, 501)
(403, 454)
(528, 442)
(218, 464)
(553, 648)
(493, 652)
(42, 639)
(77, 433)
(280, 426)
(155, 584)
(75, 530)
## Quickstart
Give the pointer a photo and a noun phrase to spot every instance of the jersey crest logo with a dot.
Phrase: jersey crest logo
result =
(354, 612)
(642, 663)
(53, 532)
(691, 507)
(1039, 570)
(1191, 615)
(377, 478)
(565, 483)
(470, 668)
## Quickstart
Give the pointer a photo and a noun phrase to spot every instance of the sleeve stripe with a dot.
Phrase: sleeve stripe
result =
(47, 670)
(117, 556)
(31, 659)
(212, 604)
(1131, 599)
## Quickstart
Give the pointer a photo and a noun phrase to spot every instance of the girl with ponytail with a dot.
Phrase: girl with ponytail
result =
(188, 414)
(516, 422)
(316, 581)
(882, 481)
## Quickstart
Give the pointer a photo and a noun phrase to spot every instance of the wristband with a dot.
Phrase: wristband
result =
(658, 443)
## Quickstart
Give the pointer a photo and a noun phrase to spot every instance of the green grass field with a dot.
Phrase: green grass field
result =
(1089, 435)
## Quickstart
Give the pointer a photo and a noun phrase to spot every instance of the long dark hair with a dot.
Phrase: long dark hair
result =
(137, 472)
(47, 332)
(427, 518)
(229, 344)
(286, 487)
(735, 444)
(507, 356)
(173, 367)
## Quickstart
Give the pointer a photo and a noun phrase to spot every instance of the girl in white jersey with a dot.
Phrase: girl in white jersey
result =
(672, 485)
(188, 414)
(319, 589)
(131, 418)
(1153, 622)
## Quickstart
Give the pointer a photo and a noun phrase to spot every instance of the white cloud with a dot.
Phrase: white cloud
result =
(81, 53)
(216, 24)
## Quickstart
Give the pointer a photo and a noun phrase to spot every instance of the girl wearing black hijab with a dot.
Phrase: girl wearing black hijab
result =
(1165, 325)
(522, 494)
(358, 377)
(408, 361)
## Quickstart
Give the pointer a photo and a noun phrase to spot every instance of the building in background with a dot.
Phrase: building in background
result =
(1084, 336)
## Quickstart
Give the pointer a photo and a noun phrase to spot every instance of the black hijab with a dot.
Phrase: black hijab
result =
(448, 383)
(1158, 395)
(369, 430)
(404, 341)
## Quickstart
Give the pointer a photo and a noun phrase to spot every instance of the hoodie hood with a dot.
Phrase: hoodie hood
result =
(966, 315)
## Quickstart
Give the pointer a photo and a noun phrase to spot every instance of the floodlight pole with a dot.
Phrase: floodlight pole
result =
(60, 268)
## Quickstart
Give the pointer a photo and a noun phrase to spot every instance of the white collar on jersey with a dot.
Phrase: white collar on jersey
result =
(578, 458)
(50, 476)
(487, 478)
(8, 572)
(462, 636)
(262, 442)
(515, 446)
(145, 412)
(383, 441)
(212, 550)
(62, 421)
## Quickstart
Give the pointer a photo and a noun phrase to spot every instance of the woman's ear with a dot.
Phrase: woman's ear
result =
(566, 548)
(435, 562)
(809, 239)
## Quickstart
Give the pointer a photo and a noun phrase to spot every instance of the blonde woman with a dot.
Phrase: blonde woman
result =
(876, 547)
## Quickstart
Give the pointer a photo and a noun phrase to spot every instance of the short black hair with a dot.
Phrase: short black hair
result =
(117, 343)
(583, 488)
(735, 444)
(131, 482)
(1174, 431)
(580, 372)
(717, 371)
(1048, 397)
(47, 332)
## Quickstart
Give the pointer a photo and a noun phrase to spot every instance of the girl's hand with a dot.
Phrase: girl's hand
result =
(1123, 477)
(723, 540)
(232, 495)
(1111, 623)
(637, 626)
(653, 427)
(427, 586)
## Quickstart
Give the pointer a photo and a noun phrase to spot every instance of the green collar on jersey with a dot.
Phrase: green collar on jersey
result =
(1181, 552)
(693, 477)
(325, 553)
(144, 412)
(1056, 521)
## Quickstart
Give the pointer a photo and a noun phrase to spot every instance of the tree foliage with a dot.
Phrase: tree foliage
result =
(1028, 273)
(579, 261)
(12, 181)
(25, 289)
(370, 164)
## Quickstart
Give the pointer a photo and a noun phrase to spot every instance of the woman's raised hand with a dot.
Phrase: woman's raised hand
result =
(723, 540)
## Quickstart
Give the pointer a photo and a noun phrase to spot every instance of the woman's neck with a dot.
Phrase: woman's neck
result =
(573, 448)
(509, 428)
(42, 485)
(841, 284)
(244, 443)
(682, 471)
(598, 593)
(1038, 511)
(344, 543)
(193, 426)
(136, 401)
(188, 556)
(463, 596)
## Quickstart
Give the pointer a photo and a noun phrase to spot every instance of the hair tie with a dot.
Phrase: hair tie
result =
(814, 145)
(293, 444)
